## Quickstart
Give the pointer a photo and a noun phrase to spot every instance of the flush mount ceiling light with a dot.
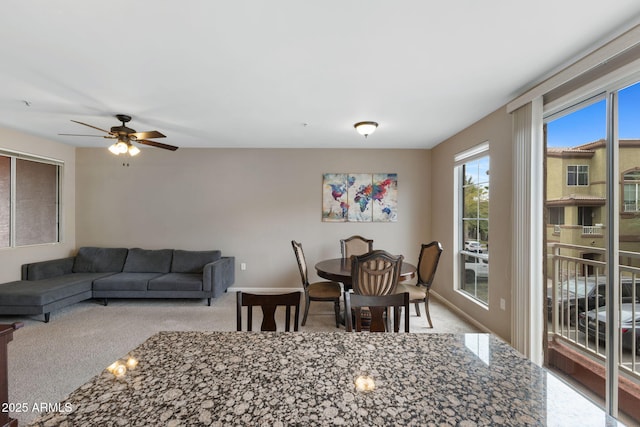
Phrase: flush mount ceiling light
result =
(366, 128)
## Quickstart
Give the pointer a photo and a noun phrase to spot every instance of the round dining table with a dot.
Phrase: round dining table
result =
(339, 270)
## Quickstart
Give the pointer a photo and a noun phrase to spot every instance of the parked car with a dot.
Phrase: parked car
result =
(472, 246)
(595, 323)
(476, 267)
(581, 294)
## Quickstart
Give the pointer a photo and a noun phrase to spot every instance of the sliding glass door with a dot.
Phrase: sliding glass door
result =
(592, 231)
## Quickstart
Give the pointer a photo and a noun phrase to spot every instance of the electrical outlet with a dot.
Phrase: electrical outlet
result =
(243, 266)
(503, 304)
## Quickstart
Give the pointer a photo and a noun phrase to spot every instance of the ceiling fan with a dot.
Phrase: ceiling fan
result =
(124, 137)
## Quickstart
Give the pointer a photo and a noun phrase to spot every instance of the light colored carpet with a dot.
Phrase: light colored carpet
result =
(47, 361)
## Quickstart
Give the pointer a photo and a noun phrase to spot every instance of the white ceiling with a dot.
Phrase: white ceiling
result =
(284, 73)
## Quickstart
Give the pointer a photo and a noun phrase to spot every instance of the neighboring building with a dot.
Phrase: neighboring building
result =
(576, 196)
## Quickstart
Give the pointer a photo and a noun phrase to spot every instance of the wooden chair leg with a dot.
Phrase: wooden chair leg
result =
(426, 308)
(336, 306)
(306, 308)
(417, 309)
(397, 311)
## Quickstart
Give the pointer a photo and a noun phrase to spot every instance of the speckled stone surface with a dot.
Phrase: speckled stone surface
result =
(297, 378)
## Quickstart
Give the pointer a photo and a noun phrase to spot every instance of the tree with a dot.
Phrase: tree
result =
(476, 210)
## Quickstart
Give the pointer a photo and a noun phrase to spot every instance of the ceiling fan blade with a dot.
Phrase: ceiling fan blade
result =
(147, 135)
(95, 136)
(157, 144)
(80, 123)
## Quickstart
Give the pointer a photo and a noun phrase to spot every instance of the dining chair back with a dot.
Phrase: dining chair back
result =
(379, 307)
(428, 262)
(355, 245)
(316, 291)
(427, 266)
(375, 273)
(268, 303)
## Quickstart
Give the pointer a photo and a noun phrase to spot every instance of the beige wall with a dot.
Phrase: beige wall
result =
(495, 128)
(250, 203)
(12, 258)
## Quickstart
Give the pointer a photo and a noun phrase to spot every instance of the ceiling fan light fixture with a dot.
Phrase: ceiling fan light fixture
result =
(366, 128)
(114, 149)
(122, 147)
(123, 137)
(133, 150)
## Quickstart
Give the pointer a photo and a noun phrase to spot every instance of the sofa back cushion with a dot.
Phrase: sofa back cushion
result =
(148, 261)
(192, 261)
(99, 260)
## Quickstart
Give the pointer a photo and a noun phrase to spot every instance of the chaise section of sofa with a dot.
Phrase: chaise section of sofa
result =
(106, 273)
(44, 296)
(47, 286)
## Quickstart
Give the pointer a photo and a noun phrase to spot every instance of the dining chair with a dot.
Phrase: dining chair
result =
(316, 291)
(427, 265)
(268, 303)
(355, 245)
(375, 273)
(379, 307)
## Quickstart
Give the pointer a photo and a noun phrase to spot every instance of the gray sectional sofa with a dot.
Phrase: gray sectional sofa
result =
(106, 273)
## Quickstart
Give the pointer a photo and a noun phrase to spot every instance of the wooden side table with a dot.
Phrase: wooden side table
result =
(6, 335)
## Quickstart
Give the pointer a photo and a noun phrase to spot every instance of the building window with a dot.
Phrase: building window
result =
(631, 191)
(578, 175)
(556, 215)
(29, 200)
(472, 187)
(586, 215)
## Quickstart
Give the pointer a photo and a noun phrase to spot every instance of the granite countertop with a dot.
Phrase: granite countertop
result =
(298, 378)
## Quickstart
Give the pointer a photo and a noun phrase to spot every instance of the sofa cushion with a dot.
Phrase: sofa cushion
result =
(177, 282)
(192, 261)
(99, 260)
(148, 261)
(46, 291)
(124, 282)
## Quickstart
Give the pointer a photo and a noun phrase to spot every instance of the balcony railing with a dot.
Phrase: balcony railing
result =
(577, 287)
(592, 229)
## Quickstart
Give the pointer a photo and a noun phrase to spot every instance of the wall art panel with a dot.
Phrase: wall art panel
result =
(360, 197)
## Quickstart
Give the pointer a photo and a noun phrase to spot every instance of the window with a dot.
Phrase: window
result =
(578, 175)
(5, 202)
(29, 200)
(556, 215)
(585, 215)
(472, 187)
(601, 131)
(631, 181)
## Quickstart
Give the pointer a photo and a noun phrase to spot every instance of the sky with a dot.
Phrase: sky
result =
(589, 124)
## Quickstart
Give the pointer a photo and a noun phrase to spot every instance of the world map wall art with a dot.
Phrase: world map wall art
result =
(360, 197)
